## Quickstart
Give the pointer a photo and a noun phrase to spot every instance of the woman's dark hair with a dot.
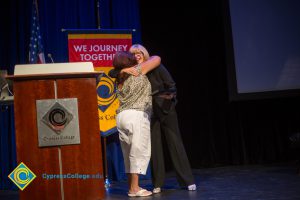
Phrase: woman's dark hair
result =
(123, 59)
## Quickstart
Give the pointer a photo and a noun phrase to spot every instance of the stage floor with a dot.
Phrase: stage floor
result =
(256, 182)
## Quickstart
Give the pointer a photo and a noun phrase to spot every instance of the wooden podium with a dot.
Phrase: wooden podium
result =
(68, 171)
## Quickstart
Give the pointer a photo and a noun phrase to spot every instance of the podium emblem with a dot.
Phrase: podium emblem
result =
(57, 118)
(57, 121)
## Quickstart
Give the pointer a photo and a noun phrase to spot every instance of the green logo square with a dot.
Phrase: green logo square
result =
(22, 176)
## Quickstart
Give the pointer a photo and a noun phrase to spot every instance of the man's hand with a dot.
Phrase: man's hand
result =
(167, 95)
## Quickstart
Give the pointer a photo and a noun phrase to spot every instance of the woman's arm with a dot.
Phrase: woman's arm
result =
(150, 64)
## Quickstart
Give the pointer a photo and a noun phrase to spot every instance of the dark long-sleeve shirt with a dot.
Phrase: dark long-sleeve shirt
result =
(161, 81)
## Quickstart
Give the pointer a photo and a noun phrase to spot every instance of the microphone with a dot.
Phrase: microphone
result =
(50, 56)
(3, 83)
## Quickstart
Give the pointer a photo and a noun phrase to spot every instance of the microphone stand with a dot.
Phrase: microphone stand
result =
(50, 56)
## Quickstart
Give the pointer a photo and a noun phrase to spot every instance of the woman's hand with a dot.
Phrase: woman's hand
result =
(131, 70)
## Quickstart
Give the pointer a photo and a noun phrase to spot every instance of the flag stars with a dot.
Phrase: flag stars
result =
(36, 52)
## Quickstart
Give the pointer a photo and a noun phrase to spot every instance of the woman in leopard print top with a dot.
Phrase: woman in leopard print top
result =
(133, 117)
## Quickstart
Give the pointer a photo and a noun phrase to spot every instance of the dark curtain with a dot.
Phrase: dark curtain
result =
(12, 50)
(7, 146)
(55, 16)
(216, 132)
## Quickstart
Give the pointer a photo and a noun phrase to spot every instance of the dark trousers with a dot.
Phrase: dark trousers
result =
(165, 123)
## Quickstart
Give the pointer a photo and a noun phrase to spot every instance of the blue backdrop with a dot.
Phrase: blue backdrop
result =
(54, 16)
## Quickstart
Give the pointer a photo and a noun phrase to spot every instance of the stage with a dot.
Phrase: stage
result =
(252, 182)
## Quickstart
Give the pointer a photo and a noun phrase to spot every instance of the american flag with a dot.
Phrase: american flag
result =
(36, 51)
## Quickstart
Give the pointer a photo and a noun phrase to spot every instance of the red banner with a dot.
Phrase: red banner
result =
(99, 48)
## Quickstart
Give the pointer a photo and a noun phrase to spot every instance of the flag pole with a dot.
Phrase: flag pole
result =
(106, 181)
(36, 7)
(98, 13)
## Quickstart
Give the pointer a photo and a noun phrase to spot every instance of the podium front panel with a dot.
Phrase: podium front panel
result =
(79, 166)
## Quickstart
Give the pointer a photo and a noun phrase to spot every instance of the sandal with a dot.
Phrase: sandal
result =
(192, 187)
(156, 190)
(141, 193)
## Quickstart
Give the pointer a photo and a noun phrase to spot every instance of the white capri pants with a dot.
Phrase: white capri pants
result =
(134, 135)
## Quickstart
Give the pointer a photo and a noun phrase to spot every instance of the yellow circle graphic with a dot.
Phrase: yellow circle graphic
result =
(106, 91)
(17, 176)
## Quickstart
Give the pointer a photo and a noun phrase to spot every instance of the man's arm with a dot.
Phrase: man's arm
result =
(168, 81)
(114, 73)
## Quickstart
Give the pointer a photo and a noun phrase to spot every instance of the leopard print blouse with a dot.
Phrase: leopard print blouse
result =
(135, 94)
